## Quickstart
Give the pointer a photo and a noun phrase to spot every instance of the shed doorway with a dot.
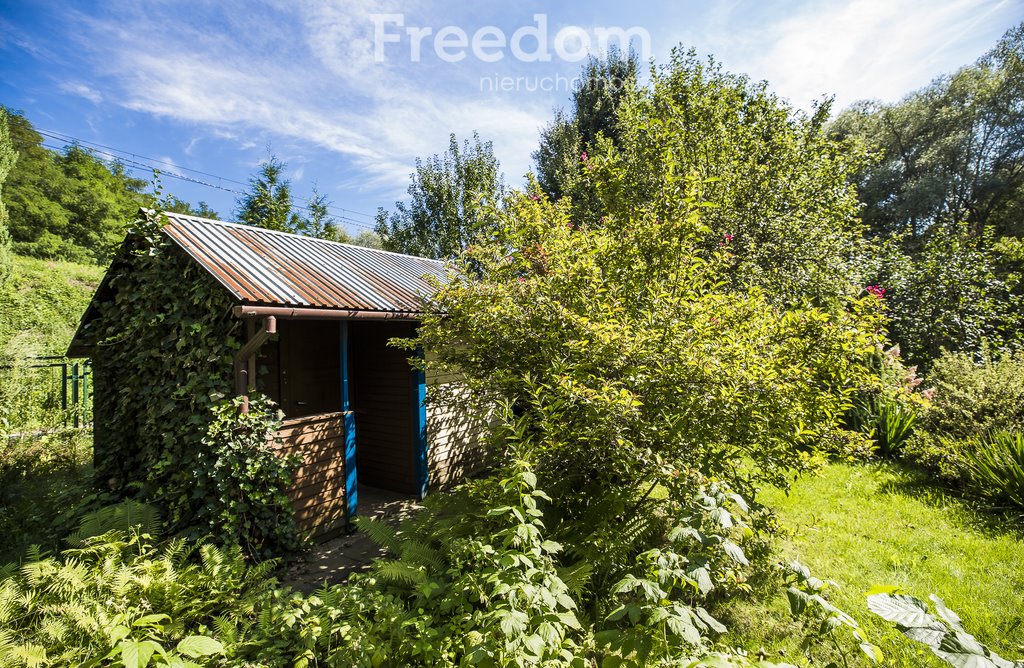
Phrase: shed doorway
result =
(384, 395)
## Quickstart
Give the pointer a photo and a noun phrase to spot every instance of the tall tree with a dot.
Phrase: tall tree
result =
(8, 156)
(268, 203)
(68, 205)
(776, 184)
(604, 85)
(952, 151)
(945, 196)
(319, 223)
(452, 196)
(177, 205)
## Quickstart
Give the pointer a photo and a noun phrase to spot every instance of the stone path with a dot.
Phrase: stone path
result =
(333, 561)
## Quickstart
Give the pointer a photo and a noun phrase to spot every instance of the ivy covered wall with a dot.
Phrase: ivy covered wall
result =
(166, 428)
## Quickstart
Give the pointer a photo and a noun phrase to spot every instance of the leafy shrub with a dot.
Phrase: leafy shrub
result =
(121, 600)
(995, 468)
(944, 635)
(240, 479)
(887, 407)
(623, 348)
(820, 619)
(969, 400)
(888, 420)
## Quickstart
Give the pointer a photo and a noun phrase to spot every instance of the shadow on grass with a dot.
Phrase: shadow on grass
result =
(913, 481)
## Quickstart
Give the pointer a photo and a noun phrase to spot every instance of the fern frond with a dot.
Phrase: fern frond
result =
(398, 573)
(576, 576)
(381, 533)
(124, 516)
(421, 554)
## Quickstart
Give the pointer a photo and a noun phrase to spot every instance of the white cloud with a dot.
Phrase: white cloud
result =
(82, 90)
(866, 48)
(376, 114)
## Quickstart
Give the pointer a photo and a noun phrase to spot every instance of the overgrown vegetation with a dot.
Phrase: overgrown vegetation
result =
(885, 524)
(943, 201)
(972, 399)
(664, 331)
(164, 340)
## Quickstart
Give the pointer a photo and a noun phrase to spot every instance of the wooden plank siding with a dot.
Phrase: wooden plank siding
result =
(318, 487)
(455, 438)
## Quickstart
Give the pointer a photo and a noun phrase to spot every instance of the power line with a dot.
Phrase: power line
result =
(136, 160)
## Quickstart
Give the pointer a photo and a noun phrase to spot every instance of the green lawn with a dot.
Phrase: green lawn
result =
(862, 525)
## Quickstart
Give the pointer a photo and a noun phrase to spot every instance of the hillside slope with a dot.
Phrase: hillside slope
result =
(42, 304)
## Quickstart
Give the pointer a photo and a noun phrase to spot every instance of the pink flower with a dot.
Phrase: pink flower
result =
(728, 238)
(521, 279)
(535, 198)
(584, 157)
(876, 291)
(928, 394)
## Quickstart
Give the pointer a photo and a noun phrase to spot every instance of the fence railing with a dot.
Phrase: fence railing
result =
(45, 392)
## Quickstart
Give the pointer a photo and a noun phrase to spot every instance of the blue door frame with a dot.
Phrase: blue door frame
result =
(419, 421)
(420, 443)
(351, 474)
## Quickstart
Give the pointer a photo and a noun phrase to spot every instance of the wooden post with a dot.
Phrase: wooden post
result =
(74, 392)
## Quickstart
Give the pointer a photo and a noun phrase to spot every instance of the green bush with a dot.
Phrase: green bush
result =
(969, 399)
(995, 468)
(240, 479)
(888, 420)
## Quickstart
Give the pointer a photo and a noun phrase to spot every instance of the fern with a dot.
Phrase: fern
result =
(576, 576)
(420, 554)
(399, 573)
(123, 516)
(381, 533)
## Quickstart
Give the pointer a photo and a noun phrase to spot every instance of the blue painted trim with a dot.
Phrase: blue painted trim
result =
(351, 474)
(419, 389)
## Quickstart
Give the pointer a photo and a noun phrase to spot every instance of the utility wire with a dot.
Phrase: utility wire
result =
(135, 160)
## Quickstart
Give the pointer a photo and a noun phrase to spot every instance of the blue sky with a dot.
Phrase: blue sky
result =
(209, 86)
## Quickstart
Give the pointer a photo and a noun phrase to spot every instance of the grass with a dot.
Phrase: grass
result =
(862, 525)
(42, 305)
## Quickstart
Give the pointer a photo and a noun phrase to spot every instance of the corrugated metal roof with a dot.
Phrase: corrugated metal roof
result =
(261, 266)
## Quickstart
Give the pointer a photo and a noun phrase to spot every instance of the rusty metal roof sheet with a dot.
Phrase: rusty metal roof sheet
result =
(260, 266)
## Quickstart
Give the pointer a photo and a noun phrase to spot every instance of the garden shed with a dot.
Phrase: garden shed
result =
(309, 326)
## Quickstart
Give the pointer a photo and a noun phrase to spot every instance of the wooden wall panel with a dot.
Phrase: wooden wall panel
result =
(318, 487)
(455, 437)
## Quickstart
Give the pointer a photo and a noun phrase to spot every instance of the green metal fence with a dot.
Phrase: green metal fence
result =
(45, 392)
